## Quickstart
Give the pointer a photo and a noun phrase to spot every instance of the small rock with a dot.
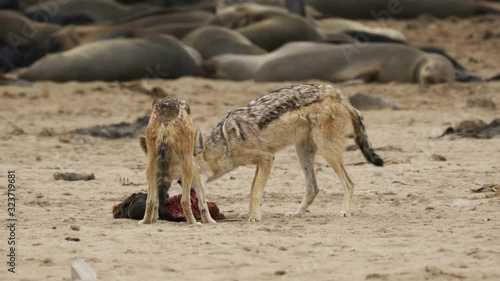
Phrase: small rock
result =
(75, 228)
(74, 239)
(365, 102)
(437, 157)
(463, 205)
(47, 261)
(280, 272)
(481, 101)
(73, 176)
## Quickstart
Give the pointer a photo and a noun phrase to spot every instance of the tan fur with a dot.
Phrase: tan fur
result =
(313, 117)
(170, 126)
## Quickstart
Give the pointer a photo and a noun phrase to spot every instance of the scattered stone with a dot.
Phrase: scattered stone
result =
(47, 261)
(489, 190)
(437, 157)
(475, 129)
(365, 102)
(74, 239)
(143, 88)
(375, 276)
(73, 176)
(16, 131)
(462, 205)
(481, 101)
(116, 131)
(280, 272)
(46, 132)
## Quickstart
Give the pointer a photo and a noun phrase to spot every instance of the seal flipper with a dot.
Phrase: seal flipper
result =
(464, 76)
(436, 50)
(461, 74)
(494, 78)
(369, 37)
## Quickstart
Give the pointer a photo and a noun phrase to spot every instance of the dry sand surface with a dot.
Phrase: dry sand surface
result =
(402, 227)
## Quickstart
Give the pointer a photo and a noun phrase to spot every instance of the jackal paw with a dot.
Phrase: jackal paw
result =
(209, 220)
(255, 218)
(344, 214)
(145, 222)
(293, 215)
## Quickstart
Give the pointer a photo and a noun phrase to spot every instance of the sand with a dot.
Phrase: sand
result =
(404, 225)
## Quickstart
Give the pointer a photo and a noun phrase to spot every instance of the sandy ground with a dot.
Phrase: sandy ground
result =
(403, 227)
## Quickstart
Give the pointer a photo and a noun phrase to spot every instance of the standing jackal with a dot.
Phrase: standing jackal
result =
(313, 117)
(169, 144)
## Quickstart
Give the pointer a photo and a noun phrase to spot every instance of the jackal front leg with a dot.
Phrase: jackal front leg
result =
(199, 187)
(264, 163)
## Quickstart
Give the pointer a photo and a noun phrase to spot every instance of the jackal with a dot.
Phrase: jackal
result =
(313, 117)
(169, 145)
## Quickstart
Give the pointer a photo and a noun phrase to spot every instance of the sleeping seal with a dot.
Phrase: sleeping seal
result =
(377, 62)
(298, 61)
(400, 9)
(266, 26)
(121, 59)
(212, 40)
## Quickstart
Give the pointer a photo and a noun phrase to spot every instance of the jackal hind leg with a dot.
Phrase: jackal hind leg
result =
(152, 203)
(332, 152)
(306, 151)
(187, 179)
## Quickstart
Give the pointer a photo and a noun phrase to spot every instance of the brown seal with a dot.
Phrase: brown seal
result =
(266, 26)
(121, 59)
(173, 23)
(401, 9)
(18, 30)
(377, 62)
(299, 61)
(212, 40)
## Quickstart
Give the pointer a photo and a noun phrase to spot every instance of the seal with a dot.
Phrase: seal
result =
(97, 10)
(169, 23)
(244, 67)
(299, 61)
(266, 26)
(400, 9)
(212, 40)
(18, 30)
(120, 59)
(333, 26)
(377, 62)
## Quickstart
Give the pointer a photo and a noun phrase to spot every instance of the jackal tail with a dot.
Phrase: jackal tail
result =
(162, 175)
(361, 139)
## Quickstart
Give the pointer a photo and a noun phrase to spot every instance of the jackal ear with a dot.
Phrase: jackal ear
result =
(199, 145)
(142, 143)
